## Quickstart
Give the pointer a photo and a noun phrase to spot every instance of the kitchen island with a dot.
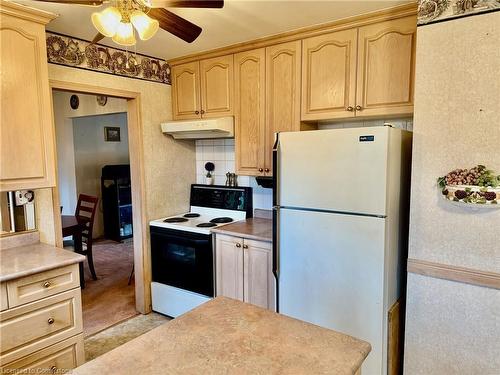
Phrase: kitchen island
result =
(225, 336)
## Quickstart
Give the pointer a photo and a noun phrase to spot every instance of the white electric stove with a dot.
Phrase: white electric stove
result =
(182, 255)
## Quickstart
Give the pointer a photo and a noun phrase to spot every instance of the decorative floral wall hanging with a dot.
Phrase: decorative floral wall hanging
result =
(79, 53)
(475, 186)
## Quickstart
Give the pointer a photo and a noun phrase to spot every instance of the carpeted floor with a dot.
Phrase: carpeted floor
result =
(120, 333)
(108, 300)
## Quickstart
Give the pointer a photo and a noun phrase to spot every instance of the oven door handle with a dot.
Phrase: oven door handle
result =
(180, 239)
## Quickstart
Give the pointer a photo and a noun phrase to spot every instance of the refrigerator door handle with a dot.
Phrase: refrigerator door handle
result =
(276, 171)
(276, 258)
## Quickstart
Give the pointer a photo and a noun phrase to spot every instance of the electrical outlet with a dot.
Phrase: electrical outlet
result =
(23, 197)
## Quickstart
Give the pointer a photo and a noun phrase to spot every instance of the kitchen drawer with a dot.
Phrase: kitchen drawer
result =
(40, 285)
(3, 297)
(34, 326)
(58, 358)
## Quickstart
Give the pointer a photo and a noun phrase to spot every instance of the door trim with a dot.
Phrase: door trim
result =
(142, 258)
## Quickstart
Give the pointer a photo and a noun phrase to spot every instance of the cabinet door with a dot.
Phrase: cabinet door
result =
(329, 75)
(259, 282)
(186, 91)
(217, 86)
(249, 93)
(229, 266)
(282, 94)
(386, 63)
(26, 127)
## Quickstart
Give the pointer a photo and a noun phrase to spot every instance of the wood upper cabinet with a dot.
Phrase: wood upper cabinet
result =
(186, 91)
(249, 95)
(203, 89)
(329, 75)
(27, 156)
(258, 278)
(217, 86)
(283, 63)
(386, 65)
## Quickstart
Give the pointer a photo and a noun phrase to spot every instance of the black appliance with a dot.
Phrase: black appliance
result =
(117, 202)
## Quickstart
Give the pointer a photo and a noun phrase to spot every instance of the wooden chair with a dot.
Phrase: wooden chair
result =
(85, 212)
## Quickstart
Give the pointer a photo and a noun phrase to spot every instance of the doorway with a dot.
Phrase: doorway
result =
(93, 161)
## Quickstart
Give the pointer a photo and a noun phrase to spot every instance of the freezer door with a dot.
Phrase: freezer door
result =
(331, 273)
(340, 170)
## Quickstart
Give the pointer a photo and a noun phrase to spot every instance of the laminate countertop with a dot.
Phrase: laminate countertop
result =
(30, 259)
(225, 336)
(255, 228)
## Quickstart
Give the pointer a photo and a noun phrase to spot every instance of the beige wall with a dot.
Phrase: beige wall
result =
(452, 328)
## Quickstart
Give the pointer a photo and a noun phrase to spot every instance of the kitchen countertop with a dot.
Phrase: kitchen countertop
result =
(225, 336)
(30, 259)
(255, 228)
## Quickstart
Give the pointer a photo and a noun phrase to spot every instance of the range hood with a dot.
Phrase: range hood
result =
(200, 129)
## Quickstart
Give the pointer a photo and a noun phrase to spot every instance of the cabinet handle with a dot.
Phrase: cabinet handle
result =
(350, 108)
(202, 111)
(359, 108)
(51, 321)
(197, 112)
(245, 246)
(266, 170)
(47, 284)
(53, 369)
(261, 170)
(238, 245)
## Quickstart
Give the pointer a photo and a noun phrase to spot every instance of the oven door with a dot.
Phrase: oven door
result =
(183, 260)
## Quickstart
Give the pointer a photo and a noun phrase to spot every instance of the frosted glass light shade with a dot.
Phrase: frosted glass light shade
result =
(107, 21)
(146, 26)
(124, 34)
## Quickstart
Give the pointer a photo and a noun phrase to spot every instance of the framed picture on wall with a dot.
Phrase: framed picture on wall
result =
(432, 11)
(112, 134)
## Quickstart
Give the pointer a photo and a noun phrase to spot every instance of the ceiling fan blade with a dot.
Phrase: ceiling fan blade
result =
(176, 25)
(97, 38)
(188, 3)
(76, 2)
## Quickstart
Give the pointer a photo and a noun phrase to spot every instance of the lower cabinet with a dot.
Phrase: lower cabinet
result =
(244, 270)
(67, 354)
(41, 322)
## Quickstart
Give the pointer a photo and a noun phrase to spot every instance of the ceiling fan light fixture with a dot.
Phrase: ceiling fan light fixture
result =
(146, 26)
(107, 21)
(124, 34)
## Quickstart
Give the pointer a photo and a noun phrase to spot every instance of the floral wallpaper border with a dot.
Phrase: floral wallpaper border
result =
(432, 11)
(78, 53)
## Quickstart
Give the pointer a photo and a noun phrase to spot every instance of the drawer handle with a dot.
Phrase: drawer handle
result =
(238, 245)
(51, 321)
(47, 284)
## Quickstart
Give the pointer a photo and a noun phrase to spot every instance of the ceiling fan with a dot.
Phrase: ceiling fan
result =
(146, 16)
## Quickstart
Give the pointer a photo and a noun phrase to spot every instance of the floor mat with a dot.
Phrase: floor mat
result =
(120, 333)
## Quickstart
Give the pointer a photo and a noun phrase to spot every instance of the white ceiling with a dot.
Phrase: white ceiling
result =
(238, 21)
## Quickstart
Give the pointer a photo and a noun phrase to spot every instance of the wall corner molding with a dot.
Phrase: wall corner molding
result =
(454, 273)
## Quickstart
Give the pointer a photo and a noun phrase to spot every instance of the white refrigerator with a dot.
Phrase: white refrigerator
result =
(340, 230)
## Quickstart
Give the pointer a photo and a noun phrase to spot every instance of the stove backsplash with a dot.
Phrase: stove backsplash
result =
(221, 153)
